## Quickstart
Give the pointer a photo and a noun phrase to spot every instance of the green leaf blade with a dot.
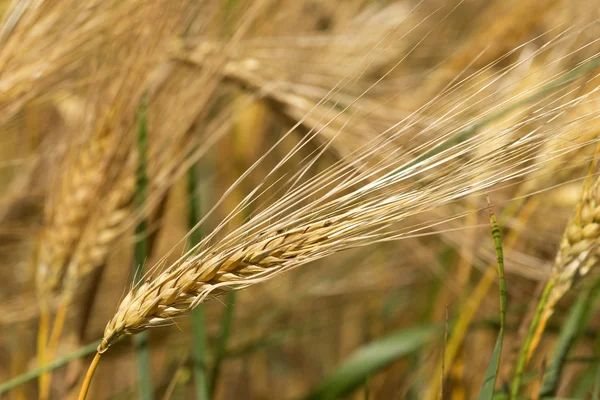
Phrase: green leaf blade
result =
(370, 359)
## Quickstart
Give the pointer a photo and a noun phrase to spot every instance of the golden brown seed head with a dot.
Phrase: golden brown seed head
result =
(581, 242)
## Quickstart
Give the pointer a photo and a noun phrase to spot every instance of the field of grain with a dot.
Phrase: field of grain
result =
(299, 199)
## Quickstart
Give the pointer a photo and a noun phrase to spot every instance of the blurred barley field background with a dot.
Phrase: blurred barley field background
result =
(300, 199)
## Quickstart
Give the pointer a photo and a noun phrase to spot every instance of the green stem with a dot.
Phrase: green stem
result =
(489, 382)
(143, 360)
(141, 251)
(226, 322)
(522, 361)
(596, 394)
(33, 374)
(573, 326)
(199, 348)
(141, 230)
(596, 387)
(198, 324)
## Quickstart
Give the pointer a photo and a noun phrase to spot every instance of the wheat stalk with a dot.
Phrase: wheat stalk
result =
(103, 213)
(347, 208)
(87, 208)
(577, 255)
(342, 217)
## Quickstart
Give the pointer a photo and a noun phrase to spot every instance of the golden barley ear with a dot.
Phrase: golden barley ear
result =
(577, 255)
(88, 206)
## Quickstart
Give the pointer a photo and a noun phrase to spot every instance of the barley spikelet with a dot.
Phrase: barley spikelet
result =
(178, 292)
(579, 249)
(577, 255)
(579, 246)
(66, 217)
(86, 215)
(86, 212)
(102, 229)
(345, 211)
